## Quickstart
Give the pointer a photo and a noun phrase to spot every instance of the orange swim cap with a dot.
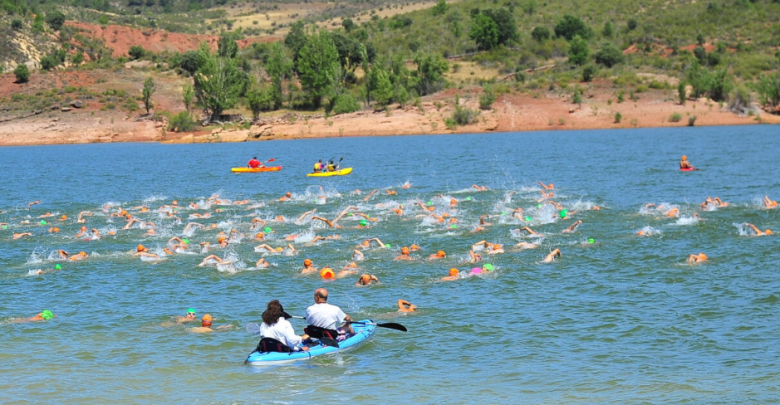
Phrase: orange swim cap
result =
(441, 253)
(702, 256)
(497, 246)
(82, 253)
(207, 318)
(768, 232)
(327, 273)
(366, 242)
(365, 278)
(140, 248)
(415, 247)
(454, 272)
(175, 202)
(287, 194)
(259, 235)
(221, 239)
(307, 262)
(55, 229)
(640, 233)
(352, 265)
(405, 250)
(124, 212)
(83, 228)
(64, 217)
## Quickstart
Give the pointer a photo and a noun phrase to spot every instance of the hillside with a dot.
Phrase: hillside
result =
(462, 65)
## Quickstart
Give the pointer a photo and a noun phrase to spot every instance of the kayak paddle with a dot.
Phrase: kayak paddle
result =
(254, 329)
(389, 325)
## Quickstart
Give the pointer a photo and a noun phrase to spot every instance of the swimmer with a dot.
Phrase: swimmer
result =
(406, 306)
(188, 317)
(454, 275)
(286, 197)
(406, 185)
(391, 192)
(473, 257)
(212, 259)
(95, 234)
(78, 257)
(63, 254)
(326, 221)
(546, 195)
(483, 221)
(758, 231)
(222, 241)
(357, 255)
(552, 256)
(439, 255)
(262, 263)
(399, 210)
(526, 245)
(546, 187)
(44, 315)
(22, 235)
(32, 203)
(54, 230)
(366, 244)
(572, 227)
(404, 254)
(239, 202)
(492, 248)
(769, 203)
(204, 247)
(530, 231)
(300, 219)
(268, 248)
(308, 267)
(368, 197)
(205, 326)
(672, 213)
(367, 279)
(64, 218)
(189, 228)
(701, 257)
(350, 267)
(479, 188)
(46, 215)
(80, 219)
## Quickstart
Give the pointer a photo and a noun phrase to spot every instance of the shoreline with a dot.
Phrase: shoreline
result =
(514, 112)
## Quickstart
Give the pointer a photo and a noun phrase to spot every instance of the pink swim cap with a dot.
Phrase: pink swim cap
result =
(476, 270)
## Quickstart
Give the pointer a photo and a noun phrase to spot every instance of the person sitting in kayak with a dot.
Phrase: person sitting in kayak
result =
(684, 164)
(254, 163)
(323, 318)
(318, 166)
(333, 166)
(277, 333)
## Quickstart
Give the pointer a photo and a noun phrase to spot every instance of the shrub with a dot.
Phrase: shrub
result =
(49, 62)
(181, 122)
(691, 120)
(450, 123)
(632, 24)
(618, 117)
(576, 97)
(609, 55)
(16, 24)
(681, 95)
(588, 73)
(768, 89)
(621, 96)
(487, 98)
(344, 104)
(22, 73)
(578, 51)
(570, 26)
(541, 34)
(740, 101)
(136, 52)
(676, 117)
(608, 30)
(463, 115)
(55, 19)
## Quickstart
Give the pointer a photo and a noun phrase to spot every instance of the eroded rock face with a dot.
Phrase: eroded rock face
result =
(78, 104)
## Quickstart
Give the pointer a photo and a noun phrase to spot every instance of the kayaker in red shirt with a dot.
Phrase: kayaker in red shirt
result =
(254, 163)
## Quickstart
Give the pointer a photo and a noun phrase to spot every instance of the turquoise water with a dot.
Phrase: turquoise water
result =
(622, 320)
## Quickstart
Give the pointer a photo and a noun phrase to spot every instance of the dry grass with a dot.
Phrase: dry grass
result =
(470, 71)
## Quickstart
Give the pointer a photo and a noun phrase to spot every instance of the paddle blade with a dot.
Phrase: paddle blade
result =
(391, 325)
(252, 328)
(329, 342)
(270, 160)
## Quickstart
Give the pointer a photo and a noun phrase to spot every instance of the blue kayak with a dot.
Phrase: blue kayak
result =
(363, 331)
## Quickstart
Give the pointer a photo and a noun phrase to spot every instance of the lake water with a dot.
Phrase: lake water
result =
(621, 320)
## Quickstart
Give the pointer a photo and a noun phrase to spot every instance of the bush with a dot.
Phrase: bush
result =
(22, 73)
(570, 26)
(55, 20)
(676, 117)
(578, 51)
(181, 122)
(16, 24)
(691, 120)
(463, 115)
(541, 34)
(681, 94)
(136, 52)
(768, 88)
(588, 73)
(609, 55)
(618, 118)
(487, 98)
(632, 24)
(345, 104)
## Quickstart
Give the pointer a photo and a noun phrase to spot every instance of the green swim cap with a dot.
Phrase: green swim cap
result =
(430, 202)
(487, 267)
(185, 240)
(503, 212)
(528, 219)
(591, 241)
(46, 314)
(363, 222)
(387, 246)
(191, 310)
(563, 213)
(350, 214)
(5, 226)
(57, 266)
(454, 226)
(43, 222)
(538, 205)
(267, 229)
(468, 198)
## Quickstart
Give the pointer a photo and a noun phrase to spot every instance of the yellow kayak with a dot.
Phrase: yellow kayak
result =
(341, 172)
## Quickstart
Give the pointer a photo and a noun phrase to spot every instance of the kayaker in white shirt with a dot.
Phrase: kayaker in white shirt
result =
(327, 316)
(275, 326)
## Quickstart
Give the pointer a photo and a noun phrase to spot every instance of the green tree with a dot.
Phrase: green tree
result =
(380, 86)
(78, 58)
(430, 72)
(37, 25)
(55, 20)
(279, 67)
(608, 30)
(698, 78)
(632, 24)
(588, 73)
(187, 94)
(318, 61)
(22, 73)
(484, 32)
(348, 24)
(136, 52)
(190, 61)
(487, 98)
(16, 24)
(609, 55)
(570, 26)
(259, 98)
(295, 39)
(147, 93)
(227, 46)
(541, 34)
(440, 8)
(681, 92)
(720, 85)
(218, 83)
(768, 88)
(578, 51)
(505, 22)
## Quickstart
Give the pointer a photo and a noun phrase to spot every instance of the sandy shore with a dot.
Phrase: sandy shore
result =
(510, 112)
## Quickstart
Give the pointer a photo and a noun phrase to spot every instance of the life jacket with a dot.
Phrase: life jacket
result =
(331, 167)
(318, 166)
(267, 345)
(318, 332)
